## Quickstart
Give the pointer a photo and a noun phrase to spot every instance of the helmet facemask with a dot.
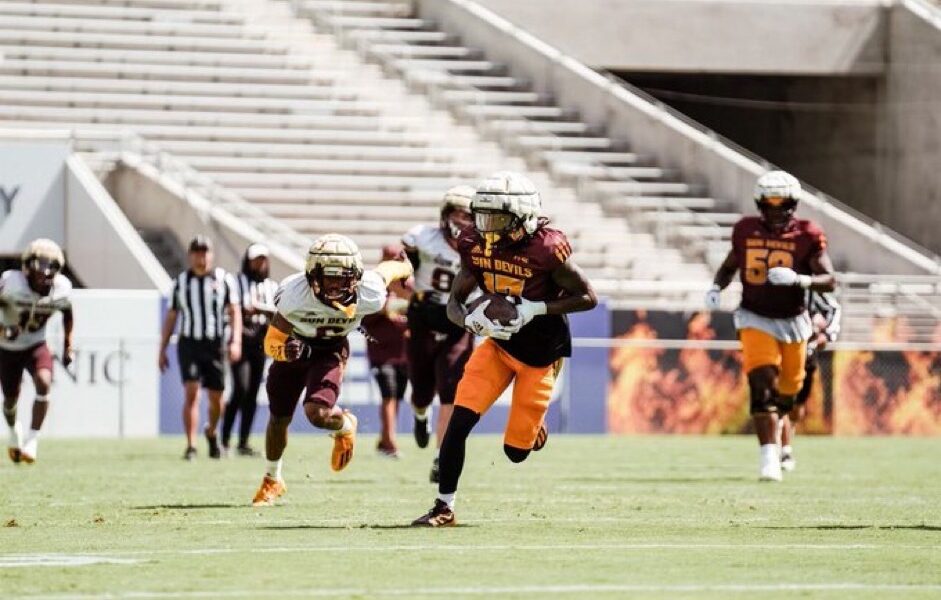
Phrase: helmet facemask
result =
(455, 221)
(41, 273)
(334, 285)
(776, 211)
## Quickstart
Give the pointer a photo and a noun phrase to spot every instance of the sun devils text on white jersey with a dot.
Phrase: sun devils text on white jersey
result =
(311, 318)
(438, 262)
(24, 313)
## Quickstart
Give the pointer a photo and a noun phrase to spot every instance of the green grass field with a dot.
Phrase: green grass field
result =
(650, 517)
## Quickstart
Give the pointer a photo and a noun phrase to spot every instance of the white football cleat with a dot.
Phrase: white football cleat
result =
(30, 449)
(15, 442)
(770, 469)
(788, 463)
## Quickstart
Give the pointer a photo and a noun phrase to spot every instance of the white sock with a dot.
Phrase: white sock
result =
(780, 429)
(347, 425)
(770, 452)
(32, 435)
(274, 469)
(787, 449)
(448, 499)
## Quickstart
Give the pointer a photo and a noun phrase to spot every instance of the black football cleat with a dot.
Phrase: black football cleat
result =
(214, 450)
(440, 515)
(422, 432)
(541, 438)
(435, 476)
(190, 454)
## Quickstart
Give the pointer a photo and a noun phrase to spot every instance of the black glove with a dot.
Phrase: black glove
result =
(295, 349)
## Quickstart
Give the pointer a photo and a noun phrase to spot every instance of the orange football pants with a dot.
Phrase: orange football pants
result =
(759, 349)
(487, 374)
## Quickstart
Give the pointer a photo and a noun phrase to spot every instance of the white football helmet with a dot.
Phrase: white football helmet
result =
(777, 184)
(456, 199)
(334, 256)
(776, 195)
(506, 201)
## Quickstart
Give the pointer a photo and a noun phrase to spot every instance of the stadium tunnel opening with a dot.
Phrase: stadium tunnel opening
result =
(824, 129)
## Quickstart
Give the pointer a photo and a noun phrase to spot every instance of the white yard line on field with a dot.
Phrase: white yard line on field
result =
(500, 590)
(431, 548)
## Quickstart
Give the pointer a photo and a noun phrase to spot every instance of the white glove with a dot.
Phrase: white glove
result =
(713, 297)
(526, 310)
(787, 276)
(477, 323)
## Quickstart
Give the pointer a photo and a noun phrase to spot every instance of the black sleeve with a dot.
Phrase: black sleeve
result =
(413, 258)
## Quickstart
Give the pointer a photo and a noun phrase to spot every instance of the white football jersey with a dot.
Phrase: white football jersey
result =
(312, 318)
(24, 313)
(438, 262)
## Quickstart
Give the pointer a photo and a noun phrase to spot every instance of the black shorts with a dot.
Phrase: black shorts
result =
(202, 361)
(319, 378)
(392, 380)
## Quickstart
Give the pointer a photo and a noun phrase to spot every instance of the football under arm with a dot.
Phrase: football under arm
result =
(726, 271)
(580, 295)
(276, 337)
(464, 284)
(823, 279)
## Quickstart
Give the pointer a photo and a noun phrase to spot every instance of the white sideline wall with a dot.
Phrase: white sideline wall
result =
(113, 387)
(673, 143)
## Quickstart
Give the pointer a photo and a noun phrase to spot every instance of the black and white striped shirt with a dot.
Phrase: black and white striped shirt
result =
(826, 305)
(256, 296)
(202, 301)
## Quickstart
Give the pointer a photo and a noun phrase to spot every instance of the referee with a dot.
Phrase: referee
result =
(256, 291)
(204, 296)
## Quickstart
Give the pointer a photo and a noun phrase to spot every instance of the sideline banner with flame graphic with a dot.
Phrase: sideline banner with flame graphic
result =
(692, 390)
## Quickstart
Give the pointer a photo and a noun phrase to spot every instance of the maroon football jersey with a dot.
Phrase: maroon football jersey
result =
(758, 249)
(387, 346)
(524, 269)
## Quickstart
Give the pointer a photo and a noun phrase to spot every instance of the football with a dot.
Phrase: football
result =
(500, 310)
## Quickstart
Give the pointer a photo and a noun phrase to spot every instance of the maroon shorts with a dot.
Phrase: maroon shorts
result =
(436, 363)
(14, 362)
(318, 378)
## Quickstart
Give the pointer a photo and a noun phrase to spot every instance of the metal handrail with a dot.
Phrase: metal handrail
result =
(657, 109)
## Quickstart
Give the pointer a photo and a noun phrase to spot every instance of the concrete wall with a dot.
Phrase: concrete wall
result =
(151, 201)
(102, 245)
(911, 169)
(735, 36)
(671, 141)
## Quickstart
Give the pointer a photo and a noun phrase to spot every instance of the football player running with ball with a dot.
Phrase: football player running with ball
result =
(437, 348)
(28, 298)
(780, 258)
(307, 338)
(511, 251)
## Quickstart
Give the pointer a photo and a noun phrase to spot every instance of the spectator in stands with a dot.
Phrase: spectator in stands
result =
(255, 293)
(204, 296)
(386, 352)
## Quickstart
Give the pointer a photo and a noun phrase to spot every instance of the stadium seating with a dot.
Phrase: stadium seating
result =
(353, 116)
(300, 126)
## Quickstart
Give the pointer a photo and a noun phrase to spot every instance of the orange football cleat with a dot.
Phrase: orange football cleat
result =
(14, 454)
(271, 489)
(343, 445)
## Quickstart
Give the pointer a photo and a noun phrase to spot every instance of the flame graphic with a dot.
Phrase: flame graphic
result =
(676, 391)
(887, 393)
